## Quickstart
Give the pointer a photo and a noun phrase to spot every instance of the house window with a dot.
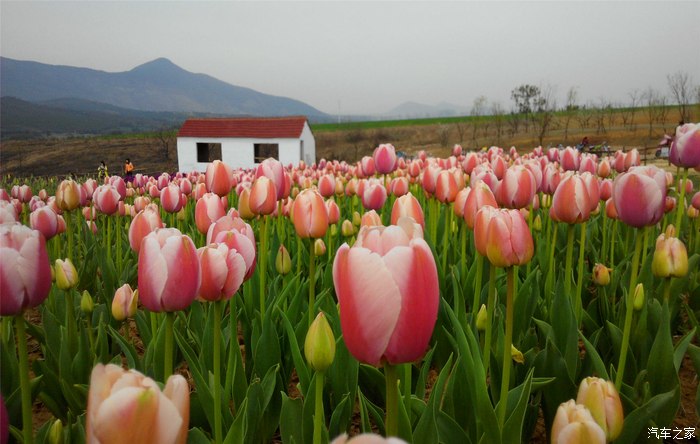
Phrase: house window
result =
(208, 152)
(264, 150)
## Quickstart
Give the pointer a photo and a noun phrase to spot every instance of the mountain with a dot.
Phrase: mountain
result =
(159, 85)
(409, 110)
(20, 119)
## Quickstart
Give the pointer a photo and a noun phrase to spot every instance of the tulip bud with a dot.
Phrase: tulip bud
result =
(481, 318)
(319, 247)
(356, 219)
(601, 274)
(56, 432)
(516, 355)
(283, 263)
(319, 346)
(603, 402)
(670, 257)
(573, 423)
(66, 274)
(346, 228)
(86, 303)
(124, 303)
(537, 223)
(638, 299)
(334, 230)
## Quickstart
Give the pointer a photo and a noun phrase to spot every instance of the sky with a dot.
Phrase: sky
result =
(363, 57)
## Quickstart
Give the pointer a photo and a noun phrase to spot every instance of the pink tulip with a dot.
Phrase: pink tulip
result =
(263, 197)
(471, 160)
(460, 201)
(124, 303)
(45, 220)
(605, 189)
(508, 239)
(218, 178)
(25, 193)
(241, 239)
(482, 220)
(25, 272)
(3, 195)
(479, 197)
(8, 213)
(571, 203)
(371, 219)
(499, 166)
(445, 187)
(168, 270)
(208, 210)
(632, 159)
(517, 188)
(326, 185)
(685, 149)
(145, 222)
(273, 170)
(430, 175)
(310, 215)
(222, 269)
(119, 184)
(604, 169)
(385, 158)
(388, 292)
(333, 211)
(399, 186)
(170, 198)
(128, 407)
(587, 164)
(407, 206)
(639, 196)
(368, 167)
(695, 201)
(374, 196)
(367, 438)
(106, 199)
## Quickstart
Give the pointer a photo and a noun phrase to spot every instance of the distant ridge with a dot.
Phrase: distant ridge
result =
(158, 85)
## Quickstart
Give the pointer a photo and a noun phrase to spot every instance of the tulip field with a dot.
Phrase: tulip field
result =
(498, 296)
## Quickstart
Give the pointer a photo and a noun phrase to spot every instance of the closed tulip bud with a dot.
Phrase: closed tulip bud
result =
(346, 228)
(639, 196)
(685, 149)
(601, 274)
(537, 223)
(106, 199)
(319, 247)
(310, 215)
(546, 201)
(263, 196)
(385, 160)
(283, 263)
(407, 206)
(208, 210)
(56, 432)
(218, 178)
(573, 424)
(125, 303)
(516, 355)
(66, 274)
(693, 213)
(87, 305)
(319, 345)
(144, 223)
(481, 318)
(128, 407)
(603, 403)
(356, 219)
(68, 195)
(571, 202)
(371, 219)
(638, 299)
(670, 257)
(508, 239)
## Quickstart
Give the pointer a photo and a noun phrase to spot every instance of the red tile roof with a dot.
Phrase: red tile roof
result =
(257, 127)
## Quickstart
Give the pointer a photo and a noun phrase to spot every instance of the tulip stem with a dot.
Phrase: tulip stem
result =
(463, 250)
(578, 305)
(69, 230)
(263, 253)
(445, 235)
(489, 319)
(168, 363)
(507, 343)
(312, 281)
(569, 258)
(407, 383)
(550, 275)
(629, 303)
(109, 237)
(319, 417)
(392, 401)
(71, 327)
(477, 286)
(25, 388)
(667, 289)
(613, 240)
(680, 207)
(217, 372)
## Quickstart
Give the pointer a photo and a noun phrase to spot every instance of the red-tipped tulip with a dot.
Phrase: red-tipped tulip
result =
(407, 206)
(208, 210)
(143, 224)
(639, 196)
(310, 214)
(223, 270)
(571, 202)
(263, 197)
(508, 239)
(218, 178)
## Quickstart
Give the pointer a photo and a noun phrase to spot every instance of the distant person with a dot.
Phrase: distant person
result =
(102, 172)
(128, 170)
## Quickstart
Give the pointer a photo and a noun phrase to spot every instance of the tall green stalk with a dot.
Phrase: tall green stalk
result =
(392, 401)
(490, 305)
(569, 258)
(169, 345)
(578, 305)
(613, 240)
(680, 206)
(263, 254)
(312, 282)
(507, 343)
(25, 388)
(218, 438)
(477, 286)
(549, 283)
(319, 417)
(629, 302)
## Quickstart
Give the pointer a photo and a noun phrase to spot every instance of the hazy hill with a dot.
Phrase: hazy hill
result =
(409, 110)
(159, 85)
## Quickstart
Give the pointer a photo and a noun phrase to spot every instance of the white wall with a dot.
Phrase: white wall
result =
(239, 153)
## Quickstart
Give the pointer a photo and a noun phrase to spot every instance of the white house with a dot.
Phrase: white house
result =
(244, 142)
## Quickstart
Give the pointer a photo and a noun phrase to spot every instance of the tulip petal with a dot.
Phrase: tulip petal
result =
(414, 271)
(11, 288)
(126, 416)
(152, 273)
(370, 302)
(178, 392)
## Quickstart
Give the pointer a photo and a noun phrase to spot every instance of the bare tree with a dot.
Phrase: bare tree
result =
(544, 115)
(680, 84)
(628, 112)
(461, 128)
(650, 98)
(571, 106)
(497, 113)
(163, 138)
(584, 116)
(599, 112)
(479, 106)
(661, 112)
(444, 134)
